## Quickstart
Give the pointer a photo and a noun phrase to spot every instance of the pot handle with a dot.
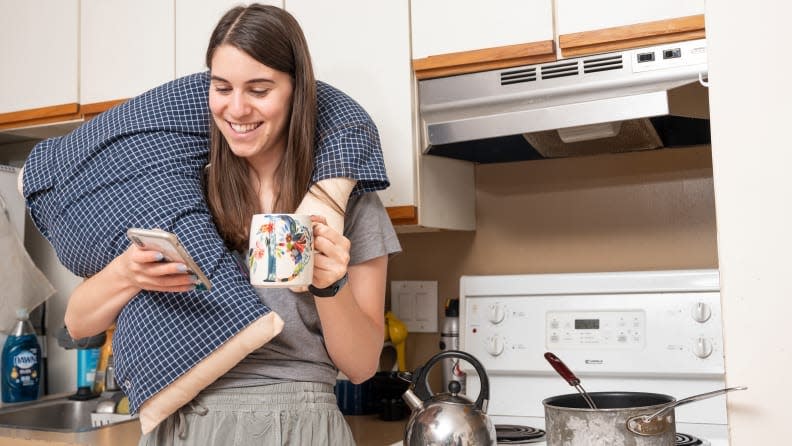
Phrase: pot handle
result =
(642, 424)
(421, 383)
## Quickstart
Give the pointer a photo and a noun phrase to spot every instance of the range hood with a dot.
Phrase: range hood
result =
(637, 99)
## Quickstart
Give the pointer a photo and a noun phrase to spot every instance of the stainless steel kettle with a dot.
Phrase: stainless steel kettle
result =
(447, 418)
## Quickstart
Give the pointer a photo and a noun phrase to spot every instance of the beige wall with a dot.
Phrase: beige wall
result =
(633, 211)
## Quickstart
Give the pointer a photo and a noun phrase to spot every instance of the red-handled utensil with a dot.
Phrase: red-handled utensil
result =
(570, 377)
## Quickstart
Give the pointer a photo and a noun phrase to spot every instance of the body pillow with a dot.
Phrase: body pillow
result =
(141, 165)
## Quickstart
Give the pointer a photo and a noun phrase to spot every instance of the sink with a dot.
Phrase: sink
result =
(58, 414)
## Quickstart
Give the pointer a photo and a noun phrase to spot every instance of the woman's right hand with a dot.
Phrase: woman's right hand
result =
(95, 304)
(146, 270)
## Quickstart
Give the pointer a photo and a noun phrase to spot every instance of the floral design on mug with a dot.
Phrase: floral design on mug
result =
(281, 236)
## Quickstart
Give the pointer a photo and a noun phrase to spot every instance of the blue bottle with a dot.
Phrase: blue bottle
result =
(21, 362)
(87, 361)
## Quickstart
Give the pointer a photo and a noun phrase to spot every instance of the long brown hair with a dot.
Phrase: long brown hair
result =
(273, 37)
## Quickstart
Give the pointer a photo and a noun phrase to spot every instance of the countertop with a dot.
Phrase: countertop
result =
(120, 434)
(368, 430)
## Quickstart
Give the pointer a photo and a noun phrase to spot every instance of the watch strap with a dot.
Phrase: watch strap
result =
(331, 290)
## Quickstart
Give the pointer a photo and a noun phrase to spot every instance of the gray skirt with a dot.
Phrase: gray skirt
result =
(296, 413)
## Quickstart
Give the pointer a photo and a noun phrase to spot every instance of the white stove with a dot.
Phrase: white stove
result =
(656, 331)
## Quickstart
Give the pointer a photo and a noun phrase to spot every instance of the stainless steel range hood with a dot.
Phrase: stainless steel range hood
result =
(569, 106)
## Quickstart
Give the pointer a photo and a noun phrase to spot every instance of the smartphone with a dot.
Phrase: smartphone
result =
(169, 245)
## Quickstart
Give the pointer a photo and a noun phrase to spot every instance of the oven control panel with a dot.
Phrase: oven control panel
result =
(598, 329)
(647, 332)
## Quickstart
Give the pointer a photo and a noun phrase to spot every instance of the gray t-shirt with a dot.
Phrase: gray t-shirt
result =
(298, 353)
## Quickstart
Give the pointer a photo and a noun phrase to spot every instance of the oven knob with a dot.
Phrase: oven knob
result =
(701, 312)
(496, 314)
(495, 345)
(703, 348)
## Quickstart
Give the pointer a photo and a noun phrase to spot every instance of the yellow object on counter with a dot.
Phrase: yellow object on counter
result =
(396, 333)
(104, 356)
(123, 406)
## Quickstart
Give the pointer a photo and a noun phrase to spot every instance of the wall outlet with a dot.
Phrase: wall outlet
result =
(415, 303)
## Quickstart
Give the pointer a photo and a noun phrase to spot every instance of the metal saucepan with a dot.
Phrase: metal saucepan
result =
(621, 418)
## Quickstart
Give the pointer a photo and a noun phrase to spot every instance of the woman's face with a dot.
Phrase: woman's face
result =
(251, 104)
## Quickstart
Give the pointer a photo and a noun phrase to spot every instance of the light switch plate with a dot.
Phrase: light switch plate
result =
(415, 303)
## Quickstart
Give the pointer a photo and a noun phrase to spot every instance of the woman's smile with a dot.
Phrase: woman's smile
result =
(244, 128)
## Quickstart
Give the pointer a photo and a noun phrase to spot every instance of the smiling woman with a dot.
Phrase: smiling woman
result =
(264, 107)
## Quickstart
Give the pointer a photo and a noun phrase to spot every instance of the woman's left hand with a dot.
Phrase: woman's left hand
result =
(331, 253)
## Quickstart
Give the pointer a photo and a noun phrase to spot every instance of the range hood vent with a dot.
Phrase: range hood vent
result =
(596, 64)
(518, 76)
(466, 116)
(562, 69)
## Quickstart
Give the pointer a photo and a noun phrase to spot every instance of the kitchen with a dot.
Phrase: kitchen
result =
(667, 209)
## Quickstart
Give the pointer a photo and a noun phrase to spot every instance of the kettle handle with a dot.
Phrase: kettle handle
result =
(421, 383)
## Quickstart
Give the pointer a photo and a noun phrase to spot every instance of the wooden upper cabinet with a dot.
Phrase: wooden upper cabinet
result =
(195, 21)
(462, 36)
(585, 27)
(126, 48)
(39, 55)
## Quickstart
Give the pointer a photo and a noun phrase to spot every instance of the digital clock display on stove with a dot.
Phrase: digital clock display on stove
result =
(587, 324)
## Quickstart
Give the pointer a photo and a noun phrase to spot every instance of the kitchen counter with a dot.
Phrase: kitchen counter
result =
(120, 434)
(368, 430)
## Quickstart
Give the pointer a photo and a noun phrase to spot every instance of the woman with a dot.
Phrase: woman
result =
(262, 100)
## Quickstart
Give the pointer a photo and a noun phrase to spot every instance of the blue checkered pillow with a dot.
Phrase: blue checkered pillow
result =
(141, 165)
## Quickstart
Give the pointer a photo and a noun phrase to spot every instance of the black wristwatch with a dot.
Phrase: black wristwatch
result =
(330, 291)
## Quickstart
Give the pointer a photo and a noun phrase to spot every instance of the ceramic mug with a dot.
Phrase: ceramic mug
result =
(281, 250)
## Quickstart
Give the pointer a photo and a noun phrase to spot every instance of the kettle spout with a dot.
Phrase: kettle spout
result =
(412, 400)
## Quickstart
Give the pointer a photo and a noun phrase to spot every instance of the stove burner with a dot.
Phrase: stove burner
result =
(687, 440)
(515, 434)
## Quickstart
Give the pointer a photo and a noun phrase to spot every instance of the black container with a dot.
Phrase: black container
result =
(387, 389)
(354, 399)
(381, 394)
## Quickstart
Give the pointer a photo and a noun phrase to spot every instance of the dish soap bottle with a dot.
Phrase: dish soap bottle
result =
(21, 362)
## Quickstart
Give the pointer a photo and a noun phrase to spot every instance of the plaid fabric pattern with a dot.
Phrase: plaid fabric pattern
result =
(348, 144)
(141, 165)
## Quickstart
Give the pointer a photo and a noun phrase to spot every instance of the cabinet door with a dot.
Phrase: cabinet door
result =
(451, 37)
(126, 48)
(586, 27)
(195, 20)
(39, 54)
(452, 26)
(362, 48)
(583, 15)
